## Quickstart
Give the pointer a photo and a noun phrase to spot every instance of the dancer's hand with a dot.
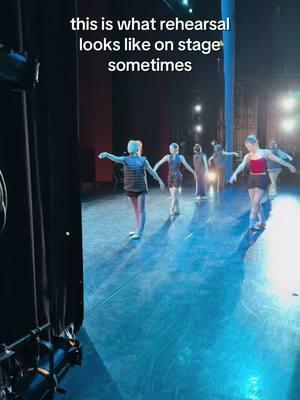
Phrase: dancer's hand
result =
(162, 186)
(292, 169)
(233, 179)
(102, 155)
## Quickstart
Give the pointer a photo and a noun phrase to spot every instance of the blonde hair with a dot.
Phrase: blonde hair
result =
(251, 139)
(176, 147)
(197, 148)
(140, 146)
(133, 142)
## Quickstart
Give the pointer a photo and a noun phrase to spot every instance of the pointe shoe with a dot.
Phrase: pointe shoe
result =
(260, 225)
(136, 236)
(131, 233)
(173, 213)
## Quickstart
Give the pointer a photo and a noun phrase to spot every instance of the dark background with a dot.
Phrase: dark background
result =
(40, 265)
(158, 107)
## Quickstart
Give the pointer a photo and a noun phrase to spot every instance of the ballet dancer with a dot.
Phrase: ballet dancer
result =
(135, 182)
(174, 160)
(258, 179)
(201, 169)
(219, 159)
(274, 168)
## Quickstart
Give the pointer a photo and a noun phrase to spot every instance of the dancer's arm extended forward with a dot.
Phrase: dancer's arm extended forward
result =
(230, 153)
(187, 165)
(111, 157)
(154, 174)
(284, 155)
(160, 162)
(239, 169)
(281, 161)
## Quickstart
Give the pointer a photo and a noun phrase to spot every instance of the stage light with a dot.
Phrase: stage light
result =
(199, 128)
(191, 11)
(212, 176)
(198, 108)
(288, 125)
(185, 2)
(288, 103)
(17, 70)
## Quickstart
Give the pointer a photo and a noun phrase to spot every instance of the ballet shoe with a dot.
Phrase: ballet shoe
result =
(136, 236)
(131, 233)
(253, 229)
(260, 225)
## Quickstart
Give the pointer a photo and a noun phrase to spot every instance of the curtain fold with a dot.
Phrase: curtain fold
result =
(41, 273)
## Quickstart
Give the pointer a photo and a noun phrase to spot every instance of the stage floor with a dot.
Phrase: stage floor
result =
(199, 309)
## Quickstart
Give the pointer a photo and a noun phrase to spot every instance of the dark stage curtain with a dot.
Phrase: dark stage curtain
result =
(41, 247)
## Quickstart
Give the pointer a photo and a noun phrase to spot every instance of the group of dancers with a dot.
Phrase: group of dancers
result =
(261, 161)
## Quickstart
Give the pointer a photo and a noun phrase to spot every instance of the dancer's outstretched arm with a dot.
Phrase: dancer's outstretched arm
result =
(281, 161)
(239, 169)
(154, 174)
(111, 157)
(160, 162)
(230, 153)
(284, 155)
(205, 164)
(187, 165)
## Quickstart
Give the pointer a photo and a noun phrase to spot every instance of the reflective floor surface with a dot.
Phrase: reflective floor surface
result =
(199, 309)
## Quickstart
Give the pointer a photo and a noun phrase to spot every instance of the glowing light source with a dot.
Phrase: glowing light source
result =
(288, 103)
(282, 269)
(212, 176)
(185, 2)
(288, 125)
(198, 108)
(191, 11)
(199, 128)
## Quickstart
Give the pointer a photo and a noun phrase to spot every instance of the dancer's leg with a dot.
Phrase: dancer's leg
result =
(261, 217)
(176, 208)
(174, 201)
(221, 179)
(252, 221)
(275, 178)
(171, 189)
(142, 213)
(198, 185)
(135, 206)
(256, 196)
(218, 179)
(202, 186)
(273, 183)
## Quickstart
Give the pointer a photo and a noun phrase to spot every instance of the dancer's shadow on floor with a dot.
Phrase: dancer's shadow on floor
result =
(161, 233)
(294, 391)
